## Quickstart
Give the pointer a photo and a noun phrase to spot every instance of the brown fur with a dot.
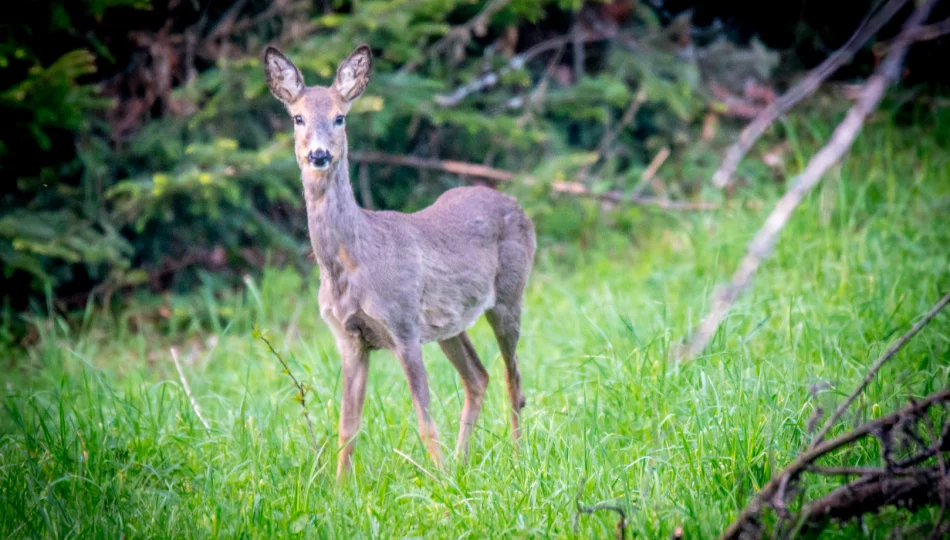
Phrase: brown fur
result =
(390, 280)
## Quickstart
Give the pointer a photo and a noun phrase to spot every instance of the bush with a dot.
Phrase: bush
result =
(192, 165)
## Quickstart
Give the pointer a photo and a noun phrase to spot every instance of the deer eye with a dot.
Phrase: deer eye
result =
(298, 120)
(339, 120)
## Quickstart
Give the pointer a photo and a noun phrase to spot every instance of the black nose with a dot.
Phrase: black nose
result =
(319, 158)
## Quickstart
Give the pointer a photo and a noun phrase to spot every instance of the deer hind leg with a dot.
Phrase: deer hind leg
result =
(505, 321)
(515, 259)
(461, 353)
(410, 356)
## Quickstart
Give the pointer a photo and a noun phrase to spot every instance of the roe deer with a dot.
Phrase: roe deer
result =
(390, 280)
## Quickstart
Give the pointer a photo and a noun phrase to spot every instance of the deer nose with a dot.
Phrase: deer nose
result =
(319, 158)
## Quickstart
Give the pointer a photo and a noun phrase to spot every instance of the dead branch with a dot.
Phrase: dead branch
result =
(877, 367)
(580, 190)
(650, 172)
(455, 167)
(934, 31)
(491, 78)
(491, 173)
(747, 522)
(841, 140)
(184, 384)
(536, 96)
(301, 389)
(621, 528)
(868, 28)
(912, 490)
(607, 142)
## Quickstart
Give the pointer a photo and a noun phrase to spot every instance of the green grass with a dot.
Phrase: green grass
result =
(98, 439)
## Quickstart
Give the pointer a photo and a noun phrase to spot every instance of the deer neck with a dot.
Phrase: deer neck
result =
(334, 219)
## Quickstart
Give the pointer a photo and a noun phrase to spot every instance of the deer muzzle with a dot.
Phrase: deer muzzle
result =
(320, 159)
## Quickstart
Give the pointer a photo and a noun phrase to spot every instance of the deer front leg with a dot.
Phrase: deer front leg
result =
(410, 356)
(355, 369)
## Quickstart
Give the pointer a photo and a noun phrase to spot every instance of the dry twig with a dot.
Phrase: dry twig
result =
(491, 173)
(803, 89)
(184, 384)
(747, 522)
(607, 142)
(580, 190)
(455, 167)
(841, 141)
(491, 78)
(877, 367)
(301, 389)
(621, 528)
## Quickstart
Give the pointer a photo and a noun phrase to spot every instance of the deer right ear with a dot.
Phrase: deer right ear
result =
(353, 74)
(283, 78)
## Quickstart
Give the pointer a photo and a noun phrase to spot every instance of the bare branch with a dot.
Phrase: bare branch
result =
(861, 496)
(607, 142)
(803, 89)
(877, 367)
(301, 390)
(491, 173)
(841, 141)
(491, 78)
(621, 529)
(806, 460)
(184, 384)
(934, 31)
(574, 188)
(455, 167)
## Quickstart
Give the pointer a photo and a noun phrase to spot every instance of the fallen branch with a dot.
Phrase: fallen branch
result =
(747, 522)
(301, 389)
(184, 384)
(803, 89)
(912, 490)
(841, 140)
(574, 188)
(621, 528)
(499, 175)
(455, 167)
(877, 367)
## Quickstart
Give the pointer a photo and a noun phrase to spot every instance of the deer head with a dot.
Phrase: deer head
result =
(318, 112)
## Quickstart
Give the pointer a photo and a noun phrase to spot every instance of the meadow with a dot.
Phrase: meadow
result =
(98, 438)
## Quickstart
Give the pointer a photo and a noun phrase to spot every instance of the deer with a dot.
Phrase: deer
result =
(395, 281)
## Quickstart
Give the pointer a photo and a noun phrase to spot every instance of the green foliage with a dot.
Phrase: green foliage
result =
(223, 177)
(99, 438)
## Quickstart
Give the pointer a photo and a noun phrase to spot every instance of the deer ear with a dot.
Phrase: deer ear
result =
(283, 77)
(353, 74)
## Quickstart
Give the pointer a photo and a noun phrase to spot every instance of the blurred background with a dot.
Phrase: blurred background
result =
(141, 152)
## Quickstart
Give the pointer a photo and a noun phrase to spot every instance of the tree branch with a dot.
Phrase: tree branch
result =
(841, 141)
(805, 460)
(877, 367)
(491, 173)
(805, 87)
(184, 384)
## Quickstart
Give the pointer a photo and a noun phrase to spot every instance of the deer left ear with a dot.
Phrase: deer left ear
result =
(352, 76)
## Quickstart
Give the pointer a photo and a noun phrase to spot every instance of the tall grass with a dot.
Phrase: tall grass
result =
(99, 439)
